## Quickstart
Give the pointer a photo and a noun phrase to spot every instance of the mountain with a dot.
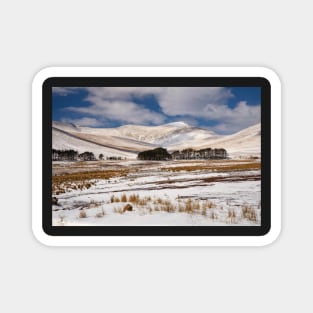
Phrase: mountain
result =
(128, 140)
(243, 143)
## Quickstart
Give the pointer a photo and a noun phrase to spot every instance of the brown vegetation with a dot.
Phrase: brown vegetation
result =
(83, 180)
(82, 214)
(249, 212)
(127, 207)
(217, 167)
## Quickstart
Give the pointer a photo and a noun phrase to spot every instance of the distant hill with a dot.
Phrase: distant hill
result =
(129, 140)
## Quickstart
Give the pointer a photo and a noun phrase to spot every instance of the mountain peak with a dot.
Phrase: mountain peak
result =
(177, 124)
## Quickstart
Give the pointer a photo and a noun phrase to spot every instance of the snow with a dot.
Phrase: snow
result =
(62, 141)
(228, 191)
(150, 181)
(128, 140)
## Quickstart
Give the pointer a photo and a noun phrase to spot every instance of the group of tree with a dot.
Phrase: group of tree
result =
(64, 155)
(157, 154)
(87, 156)
(207, 153)
(71, 155)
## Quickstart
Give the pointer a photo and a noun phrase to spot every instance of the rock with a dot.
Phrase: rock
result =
(54, 201)
(127, 207)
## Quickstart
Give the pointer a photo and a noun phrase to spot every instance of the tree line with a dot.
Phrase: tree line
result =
(72, 155)
(186, 154)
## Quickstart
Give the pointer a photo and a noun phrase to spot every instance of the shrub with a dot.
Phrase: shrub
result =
(123, 198)
(134, 198)
(82, 214)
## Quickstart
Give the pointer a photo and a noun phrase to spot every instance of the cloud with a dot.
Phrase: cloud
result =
(123, 93)
(64, 91)
(122, 111)
(190, 104)
(211, 104)
(193, 101)
(238, 118)
(115, 103)
(85, 121)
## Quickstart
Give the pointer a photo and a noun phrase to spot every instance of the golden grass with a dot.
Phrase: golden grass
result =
(83, 180)
(219, 167)
(134, 198)
(207, 204)
(249, 212)
(115, 199)
(232, 216)
(82, 214)
(123, 198)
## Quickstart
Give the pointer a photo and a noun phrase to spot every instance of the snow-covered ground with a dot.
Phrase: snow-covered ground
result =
(164, 197)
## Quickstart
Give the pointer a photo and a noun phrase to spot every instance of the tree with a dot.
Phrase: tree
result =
(87, 156)
(155, 154)
(101, 156)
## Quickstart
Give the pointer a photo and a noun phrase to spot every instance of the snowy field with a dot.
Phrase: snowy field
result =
(194, 193)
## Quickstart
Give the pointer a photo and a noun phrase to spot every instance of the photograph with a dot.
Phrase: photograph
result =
(156, 156)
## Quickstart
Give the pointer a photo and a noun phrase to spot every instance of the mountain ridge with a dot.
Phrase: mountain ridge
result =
(128, 140)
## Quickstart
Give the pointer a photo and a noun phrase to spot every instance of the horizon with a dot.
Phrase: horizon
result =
(224, 110)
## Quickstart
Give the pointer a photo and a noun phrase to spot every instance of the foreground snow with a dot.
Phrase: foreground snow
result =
(219, 198)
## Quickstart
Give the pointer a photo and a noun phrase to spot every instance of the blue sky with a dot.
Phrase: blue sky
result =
(222, 109)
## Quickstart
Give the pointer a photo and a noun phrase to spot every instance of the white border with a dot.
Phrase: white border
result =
(155, 72)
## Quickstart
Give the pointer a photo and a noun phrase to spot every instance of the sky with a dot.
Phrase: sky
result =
(224, 110)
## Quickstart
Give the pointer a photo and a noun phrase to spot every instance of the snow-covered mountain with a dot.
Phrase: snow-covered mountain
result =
(243, 143)
(128, 140)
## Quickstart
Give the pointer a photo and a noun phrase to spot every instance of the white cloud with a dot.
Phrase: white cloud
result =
(115, 103)
(233, 120)
(123, 93)
(122, 111)
(85, 121)
(192, 101)
(64, 91)
(178, 103)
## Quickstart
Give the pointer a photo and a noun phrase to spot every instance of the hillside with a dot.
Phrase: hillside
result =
(129, 140)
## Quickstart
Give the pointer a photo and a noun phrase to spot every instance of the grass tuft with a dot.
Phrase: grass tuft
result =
(249, 213)
(82, 214)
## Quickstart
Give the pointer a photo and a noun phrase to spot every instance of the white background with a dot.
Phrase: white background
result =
(36, 34)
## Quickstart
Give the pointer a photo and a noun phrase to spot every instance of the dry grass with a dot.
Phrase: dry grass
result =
(82, 214)
(207, 204)
(213, 216)
(168, 206)
(137, 200)
(82, 180)
(249, 213)
(101, 213)
(119, 210)
(217, 167)
(114, 199)
(189, 206)
(123, 198)
(134, 198)
(232, 217)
